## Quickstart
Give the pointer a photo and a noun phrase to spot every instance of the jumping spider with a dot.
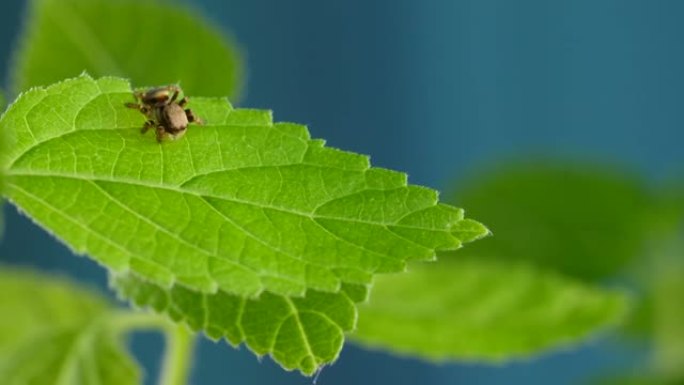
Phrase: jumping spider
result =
(167, 116)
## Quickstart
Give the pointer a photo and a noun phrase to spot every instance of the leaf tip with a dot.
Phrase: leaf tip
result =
(469, 230)
(84, 75)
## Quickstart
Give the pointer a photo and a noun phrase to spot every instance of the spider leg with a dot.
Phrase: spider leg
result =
(192, 117)
(173, 88)
(143, 108)
(176, 91)
(161, 132)
(148, 124)
(183, 101)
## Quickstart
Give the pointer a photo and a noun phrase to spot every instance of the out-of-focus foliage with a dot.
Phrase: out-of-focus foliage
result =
(668, 317)
(482, 310)
(659, 318)
(150, 42)
(52, 332)
(660, 315)
(583, 221)
(598, 224)
(2, 180)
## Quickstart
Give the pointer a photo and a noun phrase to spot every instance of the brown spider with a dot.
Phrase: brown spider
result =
(164, 113)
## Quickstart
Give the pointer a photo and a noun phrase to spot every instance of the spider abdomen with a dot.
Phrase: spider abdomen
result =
(173, 117)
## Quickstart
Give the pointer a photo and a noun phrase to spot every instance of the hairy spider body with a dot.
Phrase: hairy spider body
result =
(167, 116)
(172, 117)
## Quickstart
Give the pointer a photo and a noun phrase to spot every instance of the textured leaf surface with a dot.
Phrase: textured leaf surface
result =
(481, 310)
(240, 204)
(299, 333)
(150, 42)
(583, 221)
(52, 333)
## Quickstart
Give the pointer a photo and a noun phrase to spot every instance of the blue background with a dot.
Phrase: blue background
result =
(439, 88)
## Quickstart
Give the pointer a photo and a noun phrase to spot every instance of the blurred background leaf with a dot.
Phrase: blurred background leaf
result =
(150, 42)
(2, 181)
(663, 256)
(585, 221)
(482, 310)
(52, 332)
(669, 318)
(599, 224)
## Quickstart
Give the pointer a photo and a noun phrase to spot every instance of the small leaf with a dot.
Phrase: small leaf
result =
(52, 332)
(150, 42)
(585, 221)
(299, 333)
(481, 310)
(239, 204)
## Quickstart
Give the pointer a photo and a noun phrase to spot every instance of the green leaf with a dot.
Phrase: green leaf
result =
(481, 310)
(150, 42)
(244, 228)
(240, 204)
(299, 333)
(3, 148)
(52, 332)
(586, 221)
(668, 314)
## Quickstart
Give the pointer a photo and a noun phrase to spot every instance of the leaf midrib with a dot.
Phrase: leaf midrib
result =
(208, 253)
(131, 254)
(139, 183)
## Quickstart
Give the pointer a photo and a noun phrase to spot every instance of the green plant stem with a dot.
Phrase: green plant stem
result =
(126, 321)
(179, 342)
(178, 356)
